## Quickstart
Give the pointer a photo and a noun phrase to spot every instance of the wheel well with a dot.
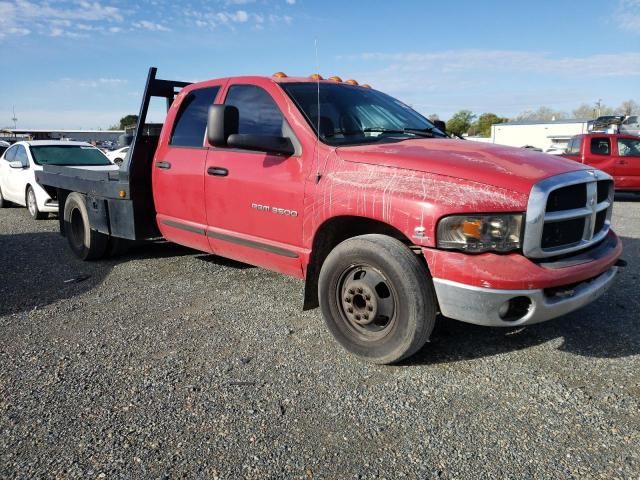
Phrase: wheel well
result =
(331, 233)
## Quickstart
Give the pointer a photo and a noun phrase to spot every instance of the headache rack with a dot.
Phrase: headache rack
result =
(120, 203)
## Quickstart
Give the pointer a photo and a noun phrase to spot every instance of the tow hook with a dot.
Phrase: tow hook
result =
(621, 263)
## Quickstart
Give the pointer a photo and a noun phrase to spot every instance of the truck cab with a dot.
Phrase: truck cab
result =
(616, 154)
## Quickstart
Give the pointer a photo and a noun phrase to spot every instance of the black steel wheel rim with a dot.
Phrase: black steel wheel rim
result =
(367, 302)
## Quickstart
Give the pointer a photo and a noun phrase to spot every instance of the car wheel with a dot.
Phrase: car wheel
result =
(3, 202)
(32, 205)
(87, 244)
(377, 298)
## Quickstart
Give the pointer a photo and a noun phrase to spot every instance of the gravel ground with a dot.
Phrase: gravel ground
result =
(171, 363)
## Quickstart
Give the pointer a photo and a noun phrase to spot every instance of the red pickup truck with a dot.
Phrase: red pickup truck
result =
(616, 154)
(387, 220)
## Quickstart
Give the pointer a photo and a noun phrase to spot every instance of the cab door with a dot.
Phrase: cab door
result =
(255, 199)
(627, 163)
(178, 170)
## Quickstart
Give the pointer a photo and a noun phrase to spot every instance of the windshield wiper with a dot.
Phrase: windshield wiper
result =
(422, 132)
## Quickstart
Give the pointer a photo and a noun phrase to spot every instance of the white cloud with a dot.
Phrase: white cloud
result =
(68, 82)
(627, 16)
(291, 2)
(151, 26)
(459, 61)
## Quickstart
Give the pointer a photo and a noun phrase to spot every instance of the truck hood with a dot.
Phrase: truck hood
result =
(516, 169)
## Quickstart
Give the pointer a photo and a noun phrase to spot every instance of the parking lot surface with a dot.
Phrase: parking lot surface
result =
(168, 362)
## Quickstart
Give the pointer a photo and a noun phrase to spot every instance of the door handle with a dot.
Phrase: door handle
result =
(218, 171)
(163, 165)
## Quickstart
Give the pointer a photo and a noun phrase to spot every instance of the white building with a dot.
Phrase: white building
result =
(536, 133)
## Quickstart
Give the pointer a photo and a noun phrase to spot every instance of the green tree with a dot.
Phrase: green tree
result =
(482, 126)
(460, 122)
(586, 111)
(542, 113)
(128, 121)
(628, 107)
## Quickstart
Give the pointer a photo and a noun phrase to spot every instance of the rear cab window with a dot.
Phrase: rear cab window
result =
(190, 125)
(600, 146)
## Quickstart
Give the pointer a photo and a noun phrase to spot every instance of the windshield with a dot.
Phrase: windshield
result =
(68, 155)
(351, 115)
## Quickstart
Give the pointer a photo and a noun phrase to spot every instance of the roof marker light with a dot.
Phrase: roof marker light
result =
(365, 85)
(351, 82)
(336, 78)
(280, 75)
(316, 76)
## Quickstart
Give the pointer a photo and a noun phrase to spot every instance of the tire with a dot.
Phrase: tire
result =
(32, 205)
(3, 202)
(85, 243)
(377, 298)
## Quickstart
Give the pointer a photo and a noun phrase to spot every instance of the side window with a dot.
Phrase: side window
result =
(21, 156)
(259, 114)
(574, 146)
(191, 121)
(628, 147)
(10, 155)
(600, 146)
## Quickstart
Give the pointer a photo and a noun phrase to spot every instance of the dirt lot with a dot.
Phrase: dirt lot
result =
(168, 362)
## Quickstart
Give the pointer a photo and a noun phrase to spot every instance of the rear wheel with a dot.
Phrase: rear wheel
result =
(377, 298)
(87, 244)
(32, 205)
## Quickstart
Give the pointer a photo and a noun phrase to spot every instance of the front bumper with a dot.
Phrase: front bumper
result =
(482, 305)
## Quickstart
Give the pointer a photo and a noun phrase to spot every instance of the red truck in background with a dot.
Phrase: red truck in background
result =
(616, 154)
(387, 220)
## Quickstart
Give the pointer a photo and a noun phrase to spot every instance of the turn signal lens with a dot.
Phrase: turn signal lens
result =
(280, 75)
(365, 85)
(122, 194)
(480, 233)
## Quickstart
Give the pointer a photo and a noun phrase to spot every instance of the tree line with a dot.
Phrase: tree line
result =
(466, 122)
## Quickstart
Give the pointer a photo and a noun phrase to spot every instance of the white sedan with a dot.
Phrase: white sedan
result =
(117, 156)
(19, 163)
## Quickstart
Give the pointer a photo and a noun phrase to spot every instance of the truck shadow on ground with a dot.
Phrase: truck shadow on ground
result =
(607, 328)
(627, 197)
(38, 269)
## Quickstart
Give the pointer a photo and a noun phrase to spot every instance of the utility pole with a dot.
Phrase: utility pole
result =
(599, 105)
(14, 118)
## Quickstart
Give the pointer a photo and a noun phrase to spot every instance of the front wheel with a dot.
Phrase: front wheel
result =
(86, 243)
(32, 205)
(377, 298)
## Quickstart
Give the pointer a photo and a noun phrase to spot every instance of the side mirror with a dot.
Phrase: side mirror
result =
(262, 143)
(223, 121)
(17, 164)
(440, 125)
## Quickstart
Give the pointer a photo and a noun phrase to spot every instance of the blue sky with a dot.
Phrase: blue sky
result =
(82, 63)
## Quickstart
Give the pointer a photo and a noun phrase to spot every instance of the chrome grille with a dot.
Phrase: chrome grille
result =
(567, 213)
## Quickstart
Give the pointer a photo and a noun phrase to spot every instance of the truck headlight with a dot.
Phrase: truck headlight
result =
(480, 233)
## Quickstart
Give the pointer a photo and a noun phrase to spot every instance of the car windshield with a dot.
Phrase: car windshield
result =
(351, 115)
(68, 155)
